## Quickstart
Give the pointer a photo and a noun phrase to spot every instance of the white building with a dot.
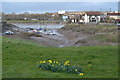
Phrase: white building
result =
(61, 12)
(65, 17)
(92, 17)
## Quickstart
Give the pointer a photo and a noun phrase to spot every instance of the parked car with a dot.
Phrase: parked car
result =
(52, 33)
(9, 32)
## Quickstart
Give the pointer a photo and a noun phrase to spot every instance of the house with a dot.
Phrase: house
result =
(117, 21)
(65, 17)
(115, 16)
(85, 17)
(93, 17)
(61, 12)
(75, 18)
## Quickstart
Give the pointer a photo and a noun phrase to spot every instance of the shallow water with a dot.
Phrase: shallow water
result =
(36, 25)
(49, 26)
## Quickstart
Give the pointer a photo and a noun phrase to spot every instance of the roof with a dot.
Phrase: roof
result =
(117, 19)
(93, 13)
(73, 13)
(113, 13)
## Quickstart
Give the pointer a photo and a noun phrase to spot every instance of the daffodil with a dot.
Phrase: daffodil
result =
(66, 62)
(56, 62)
(50, 61)
(81, 74)
(75, 69)
(43, 61)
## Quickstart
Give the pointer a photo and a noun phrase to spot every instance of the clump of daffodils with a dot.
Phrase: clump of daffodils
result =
(56, 66)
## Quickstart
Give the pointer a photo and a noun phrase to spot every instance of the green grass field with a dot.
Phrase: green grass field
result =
(19, 60)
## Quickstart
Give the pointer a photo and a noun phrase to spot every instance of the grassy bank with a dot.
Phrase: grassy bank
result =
(106, 37)
(90, 27)
(19, 60)
(99, 32)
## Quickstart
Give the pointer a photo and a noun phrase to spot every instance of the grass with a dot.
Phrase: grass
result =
(106, 37)
(19, 60)
(19, 41)
(89, 28)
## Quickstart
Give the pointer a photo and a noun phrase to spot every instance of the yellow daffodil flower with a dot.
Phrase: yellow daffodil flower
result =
(81, 74)
(43, 61)
(66, 62)
(50, 61)
(56, 62)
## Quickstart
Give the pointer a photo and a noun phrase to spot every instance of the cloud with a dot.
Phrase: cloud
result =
(60, 0)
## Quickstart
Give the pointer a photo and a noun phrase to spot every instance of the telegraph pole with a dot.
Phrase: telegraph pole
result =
(110, 9)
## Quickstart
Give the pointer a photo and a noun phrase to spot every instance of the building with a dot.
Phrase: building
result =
(75, 18)
(89, 17)
(115, 16)
(61, 12)
(93, 17)
(84, 17)
(65, 17)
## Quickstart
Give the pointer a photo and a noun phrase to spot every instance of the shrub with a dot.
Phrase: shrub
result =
(55, 66)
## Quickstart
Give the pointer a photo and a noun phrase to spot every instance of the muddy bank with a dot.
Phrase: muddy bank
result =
(75, 35)
(5, 26)
(81, 35)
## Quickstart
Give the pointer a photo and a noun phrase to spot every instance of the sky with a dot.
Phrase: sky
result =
(42, 7)
(60, 0)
